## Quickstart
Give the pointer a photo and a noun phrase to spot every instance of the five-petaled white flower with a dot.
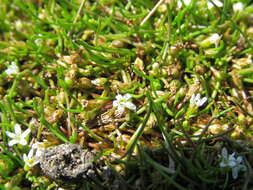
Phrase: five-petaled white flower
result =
(12, 69)
(229, 160)
(197, 100)
(31, 159)
(122, 102)
(18, 137)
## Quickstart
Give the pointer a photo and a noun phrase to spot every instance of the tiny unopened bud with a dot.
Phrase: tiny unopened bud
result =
(84, 83)
(151, 121)
(139, 64)
(87, 34)
(117, 44)
(69, 81)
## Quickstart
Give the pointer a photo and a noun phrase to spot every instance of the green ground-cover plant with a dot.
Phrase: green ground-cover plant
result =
(160, 90)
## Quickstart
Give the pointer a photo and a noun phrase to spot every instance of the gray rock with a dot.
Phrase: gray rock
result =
(68, 162)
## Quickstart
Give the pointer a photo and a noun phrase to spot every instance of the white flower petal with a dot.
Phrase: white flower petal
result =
(197, 97)
(39, 153)
(202, 101)
(31, 153)
(35, 162)
(115, 103)
(224, 153)
(198, 103)
(192, 100)
(11, 135)
(12, 142)
(239, 159)
(127, 97)
(25, 133)
(25, 158)
(119, 97)
(218, 3)
(130, 106)
(232, 163)
(223, 164)
(235, 172)
(187, 2)
(231, 157)
(38, 145)
(120, 110)
(179, 4)
(17, 129)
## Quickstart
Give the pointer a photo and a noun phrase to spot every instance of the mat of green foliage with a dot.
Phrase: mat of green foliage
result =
(161, 91)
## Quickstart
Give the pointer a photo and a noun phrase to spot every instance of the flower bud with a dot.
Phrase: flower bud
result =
(84, 83)
(139, 64)
(69, 81)
(117, 44)
(87, 34)
(151, 121)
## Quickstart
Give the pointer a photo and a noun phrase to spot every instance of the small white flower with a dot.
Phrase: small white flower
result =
(216, 2)
(238, 7)
(18, 137)
(12, 69)
(122, 102)
(31, 159)
(197, 100)
(229, 160)
(226, 159)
